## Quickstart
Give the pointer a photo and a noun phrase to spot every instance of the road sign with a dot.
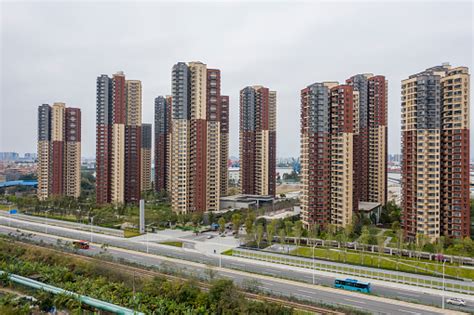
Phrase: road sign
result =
(13, 211)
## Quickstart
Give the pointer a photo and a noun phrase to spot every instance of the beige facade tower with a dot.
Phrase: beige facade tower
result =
(59, 151)
(435, 139)
(257, 140)
(343, 149)
(195, 153)
(145, 172)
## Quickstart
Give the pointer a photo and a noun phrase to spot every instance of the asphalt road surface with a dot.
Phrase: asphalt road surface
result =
(275, 286)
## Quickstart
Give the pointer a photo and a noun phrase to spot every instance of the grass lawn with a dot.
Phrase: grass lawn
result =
(388, 233)
(227, 252)
(173, 243)
(130, 233)
(70, 218)
(386, 262)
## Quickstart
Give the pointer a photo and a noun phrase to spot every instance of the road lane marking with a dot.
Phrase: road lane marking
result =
(237, 264)
(305, 291)
(409, 312)
(409, 295)
(355, 301)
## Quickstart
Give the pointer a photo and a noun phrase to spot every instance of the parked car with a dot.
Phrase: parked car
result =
(209, 237)
(456, 301)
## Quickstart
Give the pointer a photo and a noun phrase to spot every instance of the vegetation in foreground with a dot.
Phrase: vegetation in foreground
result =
(156, 296)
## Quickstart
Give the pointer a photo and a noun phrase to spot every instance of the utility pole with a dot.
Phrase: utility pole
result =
(313, 264)
(442, 301)
(92, 221)
(46, 222)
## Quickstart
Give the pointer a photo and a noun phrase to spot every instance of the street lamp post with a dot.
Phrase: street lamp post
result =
(146, 240)
(314, 245)
(92, 222)
(46, 222)
(442, 301)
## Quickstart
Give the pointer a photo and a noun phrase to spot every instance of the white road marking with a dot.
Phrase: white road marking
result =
(409, 312)
(305, 291)
(355, 301)
(237, 264)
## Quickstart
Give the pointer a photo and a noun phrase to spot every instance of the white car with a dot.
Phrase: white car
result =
(456, 301)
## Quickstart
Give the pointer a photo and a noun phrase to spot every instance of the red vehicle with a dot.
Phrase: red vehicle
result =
(81, 244)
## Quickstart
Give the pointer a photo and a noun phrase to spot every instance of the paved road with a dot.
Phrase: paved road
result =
(302, 291)
(62, 223)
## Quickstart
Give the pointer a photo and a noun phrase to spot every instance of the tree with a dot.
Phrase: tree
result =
(236, 222)
(400, 238)
(313, 232)
(271, 230)
(249, 229)
(349, 230)
(288, 228)
(259, 234)
(380, 245)
(421, 240)
(364, 239)
(297, 231)
(211, 217)
(440, 245)
(331, 229)
(196, 219)
(282, 236)
(221, 223)
(395, 226)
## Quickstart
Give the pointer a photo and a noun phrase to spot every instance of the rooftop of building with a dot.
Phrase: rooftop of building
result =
(367, 206)
(247, 198)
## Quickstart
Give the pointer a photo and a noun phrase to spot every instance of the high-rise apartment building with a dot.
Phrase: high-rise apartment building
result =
(257, 140)
(195, 138)
(162, 134)
(133, 141)
(343, 148)
(118, 147)
(224, 154)
(145, 172)
(435, 149)
(371, 137)
(59, 151)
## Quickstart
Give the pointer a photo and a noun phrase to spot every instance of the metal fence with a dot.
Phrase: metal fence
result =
(379, 274)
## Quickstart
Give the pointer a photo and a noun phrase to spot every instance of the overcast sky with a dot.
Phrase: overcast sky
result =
(53, 52)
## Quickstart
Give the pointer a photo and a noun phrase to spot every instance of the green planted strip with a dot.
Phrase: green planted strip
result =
(105, 306)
